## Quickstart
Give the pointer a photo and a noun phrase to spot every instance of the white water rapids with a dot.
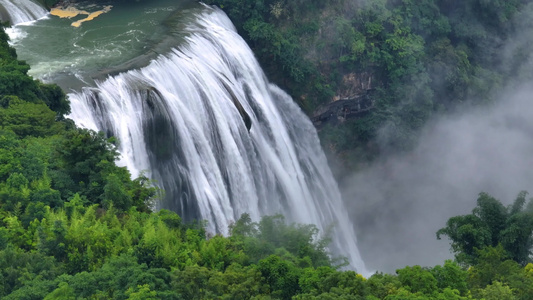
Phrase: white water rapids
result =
(21, 11)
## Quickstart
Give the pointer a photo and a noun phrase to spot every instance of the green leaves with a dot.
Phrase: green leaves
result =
(417, 279)
(492, 224)
(27, 119)
(115, 194)
(301, 243)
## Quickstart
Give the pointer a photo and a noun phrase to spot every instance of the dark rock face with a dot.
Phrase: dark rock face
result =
(343, 109)
(4, 15)
(355, 85)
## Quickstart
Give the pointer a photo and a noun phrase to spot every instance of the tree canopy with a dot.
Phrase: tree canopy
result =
(492, 224)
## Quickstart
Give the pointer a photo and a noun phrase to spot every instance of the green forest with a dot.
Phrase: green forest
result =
(425, 58)
(74, 225)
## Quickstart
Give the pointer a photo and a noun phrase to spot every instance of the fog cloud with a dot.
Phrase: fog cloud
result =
(399, 203)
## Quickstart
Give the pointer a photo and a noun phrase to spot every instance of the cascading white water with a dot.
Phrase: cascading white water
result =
(21, 11)
(183, 119)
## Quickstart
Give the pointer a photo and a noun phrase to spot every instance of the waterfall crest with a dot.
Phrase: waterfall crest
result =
(21, 11)
(183, 119)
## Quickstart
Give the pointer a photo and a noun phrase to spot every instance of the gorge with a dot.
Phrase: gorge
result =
(191, 107)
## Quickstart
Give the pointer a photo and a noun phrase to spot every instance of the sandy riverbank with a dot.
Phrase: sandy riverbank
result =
(71, 12)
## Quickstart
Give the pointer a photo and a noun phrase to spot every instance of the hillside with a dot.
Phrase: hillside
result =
(396, 64)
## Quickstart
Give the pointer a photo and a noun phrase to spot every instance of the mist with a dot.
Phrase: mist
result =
(398, 203)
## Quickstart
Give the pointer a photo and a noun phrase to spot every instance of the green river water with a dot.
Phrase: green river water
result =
(126, 37)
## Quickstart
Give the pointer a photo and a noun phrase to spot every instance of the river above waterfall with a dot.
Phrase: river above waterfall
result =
(128, 36)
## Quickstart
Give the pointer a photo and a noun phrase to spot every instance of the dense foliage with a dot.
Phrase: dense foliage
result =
(422, 57)
(493, 225)
(73, 225)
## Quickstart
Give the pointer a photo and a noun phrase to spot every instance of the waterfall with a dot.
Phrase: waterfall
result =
(20, 11)
(217, 137)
